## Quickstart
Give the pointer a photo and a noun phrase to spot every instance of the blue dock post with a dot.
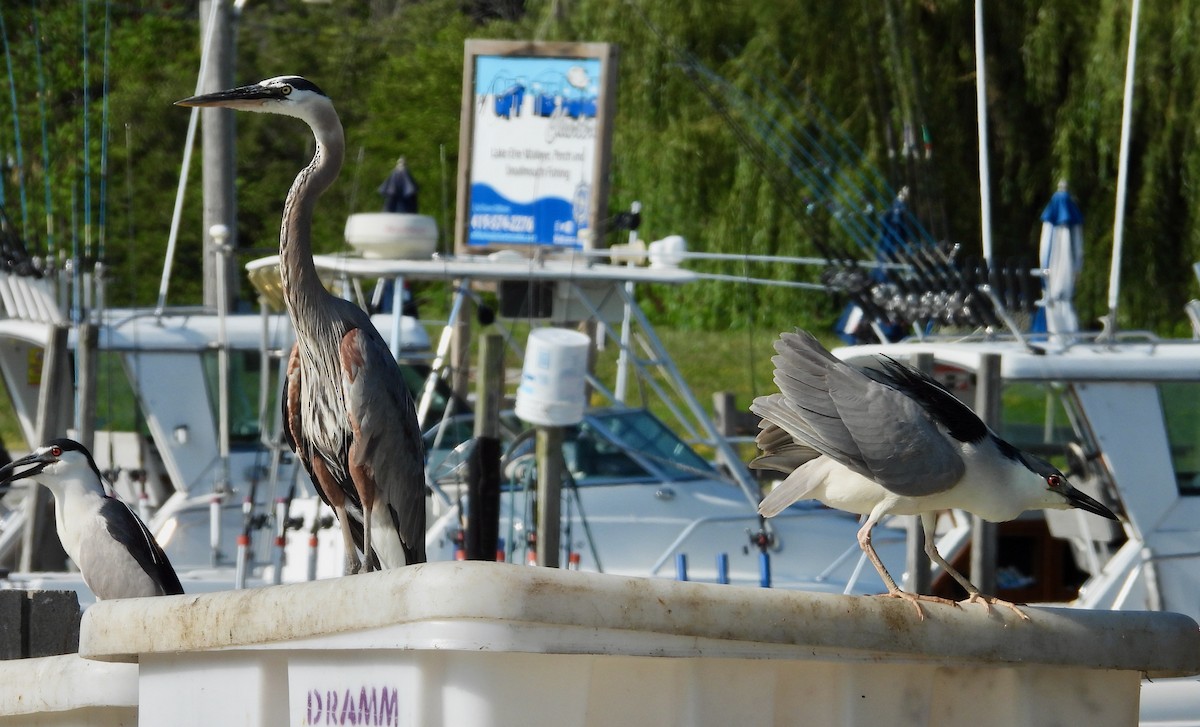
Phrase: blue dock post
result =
(723, 568)
(681, 567)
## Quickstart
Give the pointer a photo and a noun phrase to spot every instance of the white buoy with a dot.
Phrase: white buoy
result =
(392, 235)
(552, 379)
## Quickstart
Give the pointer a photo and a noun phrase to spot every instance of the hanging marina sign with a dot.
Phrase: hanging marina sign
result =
(534, 151)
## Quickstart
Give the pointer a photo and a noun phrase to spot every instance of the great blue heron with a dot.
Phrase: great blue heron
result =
(893, 442)
(115, 552)
(347, 412)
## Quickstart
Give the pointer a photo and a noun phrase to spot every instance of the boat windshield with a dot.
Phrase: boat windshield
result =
(1181, 414)
(630, 435)
(624, 445)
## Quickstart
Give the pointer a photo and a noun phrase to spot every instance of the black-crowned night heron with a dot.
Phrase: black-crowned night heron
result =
(115, 552)
(893, 441)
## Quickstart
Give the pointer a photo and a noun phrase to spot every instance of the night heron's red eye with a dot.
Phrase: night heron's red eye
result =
(56, 451)
(1054, 481)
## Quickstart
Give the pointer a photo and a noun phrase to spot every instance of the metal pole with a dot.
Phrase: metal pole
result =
(86, 345)
(983, 533)
(549, 494)
(985, 192)
(397, 343)
(439, 360)
(40, 548)
(725, 451)
(217, 140)
(918, 578)
(483, 484)
(220, 250)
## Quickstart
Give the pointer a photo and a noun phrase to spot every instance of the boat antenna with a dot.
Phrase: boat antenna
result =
(985, 192)
(1109, 321)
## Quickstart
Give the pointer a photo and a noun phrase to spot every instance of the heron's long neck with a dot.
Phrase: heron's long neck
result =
(302, 288)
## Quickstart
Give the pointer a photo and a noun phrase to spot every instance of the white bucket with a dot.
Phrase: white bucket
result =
(552, 379)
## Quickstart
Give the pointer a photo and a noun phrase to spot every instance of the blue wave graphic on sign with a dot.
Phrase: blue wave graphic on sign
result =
(545, 221)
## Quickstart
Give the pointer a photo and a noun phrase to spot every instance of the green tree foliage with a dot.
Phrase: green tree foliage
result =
(886, 72)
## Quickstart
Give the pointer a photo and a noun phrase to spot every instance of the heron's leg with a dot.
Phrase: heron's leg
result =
(894, 591)
(353, 564)
(367, 535)
(337, 500)
(929, 523)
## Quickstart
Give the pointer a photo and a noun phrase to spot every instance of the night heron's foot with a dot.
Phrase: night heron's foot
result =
(989, 601)
(916, 598)
(353, 566)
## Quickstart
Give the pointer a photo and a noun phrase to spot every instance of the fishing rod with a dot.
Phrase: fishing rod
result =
(12, 92)
(51, 246)
(901, 249)
(844, 274)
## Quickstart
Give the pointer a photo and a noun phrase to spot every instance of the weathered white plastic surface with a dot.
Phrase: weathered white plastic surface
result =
(67, 691)
(493, 644)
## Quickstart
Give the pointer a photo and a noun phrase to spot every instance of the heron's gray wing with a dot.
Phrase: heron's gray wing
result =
(388, 441)
(780, 450)
(129, 562)
(865, 425)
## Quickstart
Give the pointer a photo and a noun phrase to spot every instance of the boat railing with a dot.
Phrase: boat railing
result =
(28, 298)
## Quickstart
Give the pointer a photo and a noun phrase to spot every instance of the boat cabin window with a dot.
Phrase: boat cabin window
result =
(1033, 417)
(245, 381)
(1181, 414)
(116, 406)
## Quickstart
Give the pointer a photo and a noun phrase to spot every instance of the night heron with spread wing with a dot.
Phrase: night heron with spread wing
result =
(893, 441)
(115, 552)
(347, 412)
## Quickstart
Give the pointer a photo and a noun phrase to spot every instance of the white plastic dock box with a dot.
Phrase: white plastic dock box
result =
(490, 644)
(67, 691)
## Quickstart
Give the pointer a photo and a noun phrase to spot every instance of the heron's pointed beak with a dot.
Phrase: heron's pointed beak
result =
(1075, 498)
(247, 98)
(9, 473)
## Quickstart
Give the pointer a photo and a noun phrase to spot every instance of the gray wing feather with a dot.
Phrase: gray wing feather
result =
(780, 450)
(865, 425)
(394, 449)
(123, 560)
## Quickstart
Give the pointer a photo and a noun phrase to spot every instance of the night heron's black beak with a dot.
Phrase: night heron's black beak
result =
(243, 97)
(1075, 498)
(36, 463)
